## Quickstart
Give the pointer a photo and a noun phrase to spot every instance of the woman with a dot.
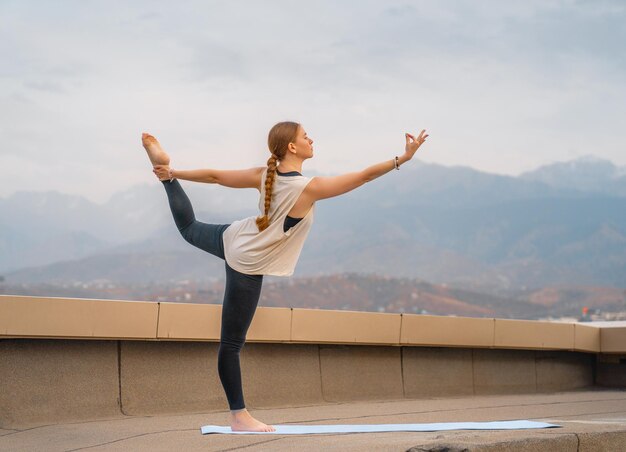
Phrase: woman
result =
(269, 244)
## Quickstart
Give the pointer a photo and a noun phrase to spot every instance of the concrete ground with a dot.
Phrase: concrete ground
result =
(592, 420)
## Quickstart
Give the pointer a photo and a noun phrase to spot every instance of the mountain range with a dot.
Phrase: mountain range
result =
(564, 223)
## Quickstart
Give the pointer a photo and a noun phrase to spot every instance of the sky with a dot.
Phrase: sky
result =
(500, 86)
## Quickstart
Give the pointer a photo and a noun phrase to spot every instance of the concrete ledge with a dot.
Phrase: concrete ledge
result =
(189, 321)
(586, 338)
(527, 334)
(41, 317)
(270, 325)
(613, 339)
(320, 326)
(186, 321)
(446, 331)
(77, 318)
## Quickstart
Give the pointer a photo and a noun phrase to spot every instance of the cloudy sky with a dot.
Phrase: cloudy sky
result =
(501, 86)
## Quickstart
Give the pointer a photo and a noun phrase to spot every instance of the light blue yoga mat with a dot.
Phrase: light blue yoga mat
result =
(370, 428)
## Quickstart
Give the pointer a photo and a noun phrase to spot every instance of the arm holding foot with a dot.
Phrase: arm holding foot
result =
(248, 178)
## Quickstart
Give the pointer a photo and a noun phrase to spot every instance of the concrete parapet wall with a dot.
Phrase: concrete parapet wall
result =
(611, 370)
(49, 380)
(65, 359)
(280, 374)
(437, 372)
(360, 372)
(558, 371)
(168, 377)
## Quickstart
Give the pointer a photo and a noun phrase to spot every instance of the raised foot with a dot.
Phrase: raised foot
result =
(155, 152)
(242, 421)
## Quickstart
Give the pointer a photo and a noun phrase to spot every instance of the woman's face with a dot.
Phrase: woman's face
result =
(303, 144)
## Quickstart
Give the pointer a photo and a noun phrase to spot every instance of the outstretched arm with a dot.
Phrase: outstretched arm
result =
(328, 187)
(247, 178)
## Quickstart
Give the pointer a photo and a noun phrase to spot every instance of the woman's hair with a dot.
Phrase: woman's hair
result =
(278, 139)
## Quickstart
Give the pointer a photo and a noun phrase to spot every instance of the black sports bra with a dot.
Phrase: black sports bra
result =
(290, 221)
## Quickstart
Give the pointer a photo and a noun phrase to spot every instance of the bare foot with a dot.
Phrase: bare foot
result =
(242, 421)
(155, 152)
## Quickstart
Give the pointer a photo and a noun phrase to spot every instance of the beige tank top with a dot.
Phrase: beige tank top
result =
(272, 251)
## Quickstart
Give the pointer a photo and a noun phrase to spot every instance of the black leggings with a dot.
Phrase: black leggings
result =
(241, 294)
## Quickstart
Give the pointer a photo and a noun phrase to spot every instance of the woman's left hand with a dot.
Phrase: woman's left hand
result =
(413, 144)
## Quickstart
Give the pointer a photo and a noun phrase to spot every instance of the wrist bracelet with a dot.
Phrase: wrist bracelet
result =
(395, 163)
(169, 173)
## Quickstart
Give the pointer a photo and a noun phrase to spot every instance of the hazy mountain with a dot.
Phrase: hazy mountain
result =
(520, 243)
(125, 268)
(41, 228)
(446, 225)
(20, 248)
(589, 174)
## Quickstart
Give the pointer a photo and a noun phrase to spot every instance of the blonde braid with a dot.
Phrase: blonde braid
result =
(278, 140)
(264, 221)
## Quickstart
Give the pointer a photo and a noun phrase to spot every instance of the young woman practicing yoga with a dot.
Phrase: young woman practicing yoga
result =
(269, 244)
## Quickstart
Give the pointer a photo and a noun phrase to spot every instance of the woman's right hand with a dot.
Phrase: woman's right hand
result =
(413, 144)
(162, 172)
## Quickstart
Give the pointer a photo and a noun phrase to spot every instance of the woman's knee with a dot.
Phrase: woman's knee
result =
(186, 233)
(206, 237)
